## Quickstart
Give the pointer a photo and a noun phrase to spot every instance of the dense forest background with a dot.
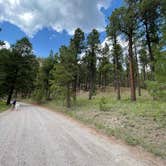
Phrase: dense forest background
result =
(88, 65)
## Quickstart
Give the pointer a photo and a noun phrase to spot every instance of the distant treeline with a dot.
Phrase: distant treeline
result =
(87, 65)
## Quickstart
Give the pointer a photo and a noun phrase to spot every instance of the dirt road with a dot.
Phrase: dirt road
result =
(35, 136)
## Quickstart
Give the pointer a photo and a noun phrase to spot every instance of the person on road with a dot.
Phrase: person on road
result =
(13, 104)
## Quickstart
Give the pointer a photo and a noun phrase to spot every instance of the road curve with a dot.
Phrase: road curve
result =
(34, 136)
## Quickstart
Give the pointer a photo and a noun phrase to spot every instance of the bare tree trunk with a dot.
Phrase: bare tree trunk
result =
(127, 81)
(12, 89)
(117, 77)
(78, 81)
(137, 72)
(100, 80)
(131, 62)
(115, 84)
(10, 96)
(92, 75)
(118, 88)
(68, 98)
(86, 83)
(90, 85)
(75, 88)
(104, 82)
(150, 50)
(144, 73)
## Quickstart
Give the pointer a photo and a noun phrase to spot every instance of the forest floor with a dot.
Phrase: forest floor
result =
(3, 106)
(137, 123)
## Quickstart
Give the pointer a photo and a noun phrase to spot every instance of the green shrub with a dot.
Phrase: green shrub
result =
(103, 105)
(156, 90)
(131, 140)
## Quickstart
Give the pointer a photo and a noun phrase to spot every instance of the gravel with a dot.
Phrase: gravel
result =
(35, 136)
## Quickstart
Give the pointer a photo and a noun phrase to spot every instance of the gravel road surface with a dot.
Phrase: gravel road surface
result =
(35, 136)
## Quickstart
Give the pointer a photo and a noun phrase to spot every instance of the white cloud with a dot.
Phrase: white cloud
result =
(6, 45)
(33, 15)
(121, 41)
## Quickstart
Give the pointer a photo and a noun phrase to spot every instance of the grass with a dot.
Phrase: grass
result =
(3, 106)
(137, 123)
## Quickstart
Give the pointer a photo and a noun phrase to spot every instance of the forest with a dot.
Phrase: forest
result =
(88, 65)
(118, 86)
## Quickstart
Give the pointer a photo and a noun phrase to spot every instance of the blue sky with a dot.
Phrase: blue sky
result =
(53, 30)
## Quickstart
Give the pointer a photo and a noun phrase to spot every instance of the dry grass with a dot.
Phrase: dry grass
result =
(138, 123)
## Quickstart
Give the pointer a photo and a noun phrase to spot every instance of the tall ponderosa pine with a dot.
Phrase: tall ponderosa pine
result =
(46, 68)
(126, 18)
(143, 58)
(158, 87)
(27, 66)
(104, 67)
(113, 30)
(93, 41)
(77, 44)
(5, 70)
(149, 15)
(137, 69)
(63, 74)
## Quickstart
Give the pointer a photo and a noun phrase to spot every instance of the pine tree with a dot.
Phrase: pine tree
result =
(93, 41)
(113, 30)
(149, 16)
(126, 21)
(104, 66)
(143, 57)
(77, 44)
(63, 74)
(18, 69)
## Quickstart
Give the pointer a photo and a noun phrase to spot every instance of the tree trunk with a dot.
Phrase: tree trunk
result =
(92, 75)
(114, 70)
(118, 85)
(91, 84)
(150, 50)
(86, 83)
(12, 89)
(117, 77)
(100, 80)
(10, 96)
(137, 72)
(68, 99)
(105, 79)
(131, 63)
(127, 81)
(118, 90)
(144, 73)
(75, 88)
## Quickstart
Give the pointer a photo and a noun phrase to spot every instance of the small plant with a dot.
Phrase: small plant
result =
(103, 104)
(131, 140)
